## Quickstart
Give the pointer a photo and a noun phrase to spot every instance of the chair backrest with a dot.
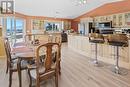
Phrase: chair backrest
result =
(6, 40)
(50, 38)
(27, 38)
(57, 39)
(54, 38)
(47, 49)
(7, 51)
(118, 38)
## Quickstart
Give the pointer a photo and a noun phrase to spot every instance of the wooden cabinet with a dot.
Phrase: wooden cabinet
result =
(117, 20)
(114, 24)
(120, 20)
(127, 19)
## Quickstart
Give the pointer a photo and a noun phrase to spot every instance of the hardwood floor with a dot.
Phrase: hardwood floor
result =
(76, 71)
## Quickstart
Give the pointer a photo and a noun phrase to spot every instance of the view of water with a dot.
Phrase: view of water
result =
(19, 25)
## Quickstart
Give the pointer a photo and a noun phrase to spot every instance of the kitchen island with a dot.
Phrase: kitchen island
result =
(105, 52)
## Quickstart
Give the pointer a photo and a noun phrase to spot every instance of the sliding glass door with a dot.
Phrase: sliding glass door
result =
(9, 29)
(14, 29)
(19, 32)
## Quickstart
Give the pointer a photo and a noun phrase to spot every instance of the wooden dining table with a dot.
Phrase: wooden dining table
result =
(28, 53)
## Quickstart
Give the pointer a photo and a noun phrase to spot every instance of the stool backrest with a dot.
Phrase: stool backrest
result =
(96, 36)
(118, 38)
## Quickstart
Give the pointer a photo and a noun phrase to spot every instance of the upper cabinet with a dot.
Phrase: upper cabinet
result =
(127, 19)
(103, 19)
(118, 20)
(122, 20)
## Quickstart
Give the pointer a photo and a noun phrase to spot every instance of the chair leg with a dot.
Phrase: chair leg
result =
(10, 78)
(20, 79)
(7, 68)
(19, 72)
(56, 80)
(30, 84)
(37, 83)
(59, 68)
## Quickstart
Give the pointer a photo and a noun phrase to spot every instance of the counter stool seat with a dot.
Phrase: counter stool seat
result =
(96, 41)
(117, 43)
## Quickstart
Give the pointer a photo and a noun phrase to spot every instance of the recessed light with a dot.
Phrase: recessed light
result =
(84, 1)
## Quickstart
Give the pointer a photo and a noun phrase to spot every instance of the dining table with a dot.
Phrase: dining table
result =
(26, 52)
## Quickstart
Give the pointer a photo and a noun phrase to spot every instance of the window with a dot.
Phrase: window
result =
(53, 26)
(47, 25)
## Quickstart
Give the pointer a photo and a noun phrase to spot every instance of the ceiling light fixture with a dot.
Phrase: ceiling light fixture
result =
(82, 1)
(56, 14)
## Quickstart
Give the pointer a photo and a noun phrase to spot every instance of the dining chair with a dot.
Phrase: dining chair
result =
(47, 69)
(6, 43)
(22, 43)
(13, 50)
(12, 65)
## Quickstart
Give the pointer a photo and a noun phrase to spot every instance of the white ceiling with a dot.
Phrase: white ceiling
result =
(57, 8)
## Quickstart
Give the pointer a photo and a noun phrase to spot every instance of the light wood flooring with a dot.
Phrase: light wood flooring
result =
(76, 71)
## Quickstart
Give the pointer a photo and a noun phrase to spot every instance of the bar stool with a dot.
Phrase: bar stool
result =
(117, 40)
(96, 39)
